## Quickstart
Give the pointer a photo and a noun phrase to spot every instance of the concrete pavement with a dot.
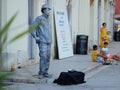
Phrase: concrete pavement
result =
(82, 63)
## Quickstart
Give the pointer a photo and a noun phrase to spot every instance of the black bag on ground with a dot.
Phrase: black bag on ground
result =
(70, 78)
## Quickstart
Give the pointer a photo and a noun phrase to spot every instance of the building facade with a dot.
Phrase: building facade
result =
(85, 18)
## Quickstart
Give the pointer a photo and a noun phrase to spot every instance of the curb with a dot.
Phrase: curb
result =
(89, 69)
(45, 80)
(29, 81)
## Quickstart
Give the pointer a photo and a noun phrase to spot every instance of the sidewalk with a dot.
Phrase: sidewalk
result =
(82, 63)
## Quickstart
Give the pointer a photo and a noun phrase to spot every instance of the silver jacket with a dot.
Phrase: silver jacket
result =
(43, 30)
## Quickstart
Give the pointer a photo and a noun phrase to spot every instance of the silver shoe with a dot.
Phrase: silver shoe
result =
(40, 76)
(48, 75)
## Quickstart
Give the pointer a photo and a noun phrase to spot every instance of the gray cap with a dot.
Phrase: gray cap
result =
(45, 6)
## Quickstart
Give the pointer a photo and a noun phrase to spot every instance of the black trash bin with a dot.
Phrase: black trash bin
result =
(81, 44)
(116, 36)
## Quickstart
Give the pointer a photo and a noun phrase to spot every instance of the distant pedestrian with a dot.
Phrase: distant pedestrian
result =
(103, 35)
(43, 37)
(98, 57)
(109, 56)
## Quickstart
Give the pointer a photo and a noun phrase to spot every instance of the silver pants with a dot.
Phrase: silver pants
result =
(45, 55)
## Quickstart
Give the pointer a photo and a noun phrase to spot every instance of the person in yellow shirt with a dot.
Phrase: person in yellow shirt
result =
(103, 35)
(98, 57)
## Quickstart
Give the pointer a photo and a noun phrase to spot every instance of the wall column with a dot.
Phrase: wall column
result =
(102, 11)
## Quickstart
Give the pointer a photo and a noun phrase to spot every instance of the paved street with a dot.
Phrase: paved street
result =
(108, 79)
(102, 78)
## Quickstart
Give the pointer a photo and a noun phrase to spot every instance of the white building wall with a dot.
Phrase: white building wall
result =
(93, 35)
(3, 12)
(95, 26)
(20, 24)
(75, 21)
(102, 11)
(84, 17)
(110, 13)
(61, 4)
(16, 52)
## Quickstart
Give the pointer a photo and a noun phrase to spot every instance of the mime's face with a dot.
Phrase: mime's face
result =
(47, 12)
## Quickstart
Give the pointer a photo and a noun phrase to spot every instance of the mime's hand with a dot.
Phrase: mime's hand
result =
(37, 40)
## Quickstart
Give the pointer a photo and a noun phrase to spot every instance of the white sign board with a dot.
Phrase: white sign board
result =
(63, 34)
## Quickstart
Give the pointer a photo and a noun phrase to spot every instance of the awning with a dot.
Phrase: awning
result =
(117, 16)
